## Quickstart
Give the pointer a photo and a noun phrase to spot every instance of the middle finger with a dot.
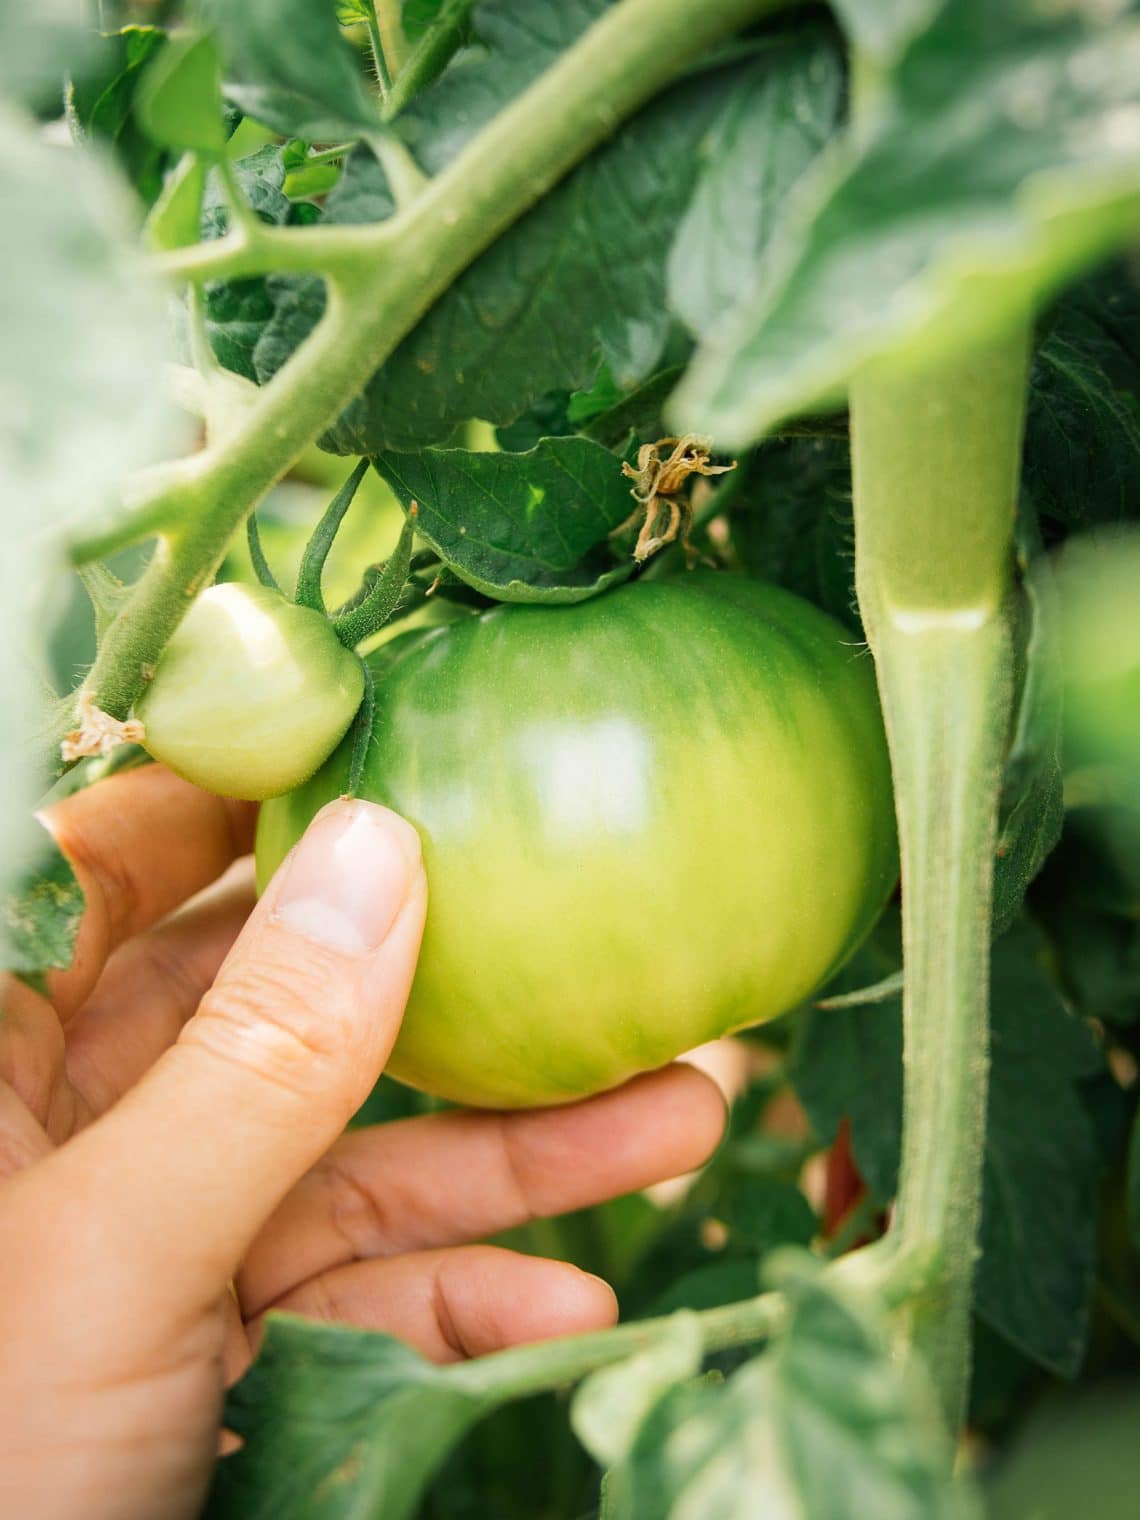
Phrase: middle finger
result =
(455, 1177)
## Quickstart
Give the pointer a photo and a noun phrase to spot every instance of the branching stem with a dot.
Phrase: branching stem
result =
(380, 281)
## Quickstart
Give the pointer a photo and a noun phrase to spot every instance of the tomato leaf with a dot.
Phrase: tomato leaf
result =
(611, 1403)
(290, 67)
(1082, 429)
(40, 914)
(102, 103)
(241, 315)
(581, 278)
(774, 1437)
(792, 522)
(519, 527)
(1039, 1197)
(338, 1423)
(995, 166)
(781, 112)
(765, 1212)
(180, 98)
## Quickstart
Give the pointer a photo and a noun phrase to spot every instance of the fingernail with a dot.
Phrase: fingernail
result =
(349, 876)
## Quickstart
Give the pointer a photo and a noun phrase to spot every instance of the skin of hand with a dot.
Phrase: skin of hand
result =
(173, 1162)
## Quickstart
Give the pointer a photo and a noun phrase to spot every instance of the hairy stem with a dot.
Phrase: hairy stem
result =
(390, 32)
(382, 284)
(429, 55)
(525, 1370)
(935, 461)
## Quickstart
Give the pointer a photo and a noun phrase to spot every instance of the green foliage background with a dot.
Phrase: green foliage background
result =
(725, 261)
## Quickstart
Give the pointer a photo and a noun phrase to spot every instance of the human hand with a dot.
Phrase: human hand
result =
(171, 1122)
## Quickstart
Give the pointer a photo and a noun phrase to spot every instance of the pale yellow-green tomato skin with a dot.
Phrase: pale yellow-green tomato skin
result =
(647, 821)
(251, 695)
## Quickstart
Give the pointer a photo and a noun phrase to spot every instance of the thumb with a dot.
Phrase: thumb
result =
(283, 1049)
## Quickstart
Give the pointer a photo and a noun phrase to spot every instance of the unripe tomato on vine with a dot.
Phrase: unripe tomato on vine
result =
(648, 820)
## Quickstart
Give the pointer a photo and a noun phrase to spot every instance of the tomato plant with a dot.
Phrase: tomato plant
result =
(842, 302)
(683, 789)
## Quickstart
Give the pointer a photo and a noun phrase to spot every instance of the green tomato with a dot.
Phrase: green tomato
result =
(251, 694)
(647, 821)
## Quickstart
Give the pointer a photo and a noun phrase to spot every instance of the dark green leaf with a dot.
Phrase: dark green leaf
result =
(783, 109)
(763, 1213)
(290, 67)
(103, 99)
(847, 1064)
(180, 99)
(241, 314)
(792, 523)
(822, 1426)
(519, 527)
(580, 279)
(582, 276)
(548, 417)
(40, 913)
(1001, 161)
(1075, 1454)
(338, 1423)
(1082, 429)
(639, 412)
(724, 1282)
(1039, 1197)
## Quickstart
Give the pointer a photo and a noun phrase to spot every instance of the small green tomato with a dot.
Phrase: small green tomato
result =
(251, 695)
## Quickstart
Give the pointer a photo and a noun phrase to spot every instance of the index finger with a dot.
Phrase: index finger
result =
(140, 843)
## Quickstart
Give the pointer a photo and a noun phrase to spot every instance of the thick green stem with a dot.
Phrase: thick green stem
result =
(385, 280)
(935, 460)
(523, 1370)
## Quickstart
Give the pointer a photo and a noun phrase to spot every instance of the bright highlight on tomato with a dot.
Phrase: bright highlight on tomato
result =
(647, 820)
(252, 693)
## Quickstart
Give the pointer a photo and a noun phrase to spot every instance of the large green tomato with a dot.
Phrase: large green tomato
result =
(647, 820)
(251, 694)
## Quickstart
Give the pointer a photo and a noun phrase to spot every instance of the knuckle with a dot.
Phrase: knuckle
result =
(357, 1215)
(518, 1180)
(285, 1023)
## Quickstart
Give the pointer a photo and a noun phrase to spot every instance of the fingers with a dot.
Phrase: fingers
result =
(22, 1138)
(151, 986)
(457, 1177)
(187, 1167)
(140, 843)
(459, 1303)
